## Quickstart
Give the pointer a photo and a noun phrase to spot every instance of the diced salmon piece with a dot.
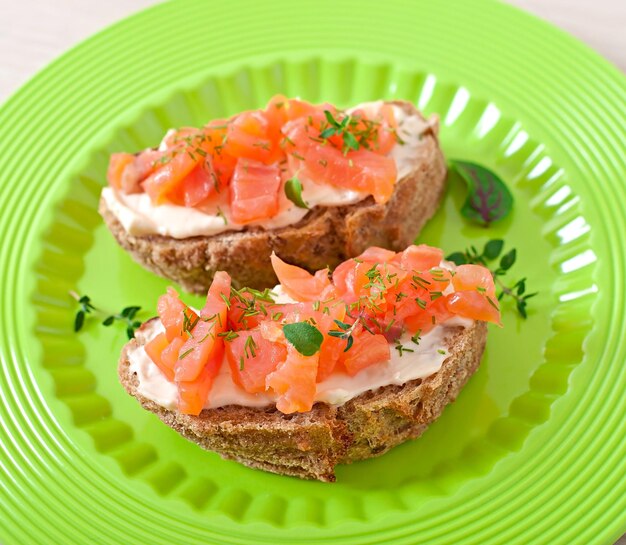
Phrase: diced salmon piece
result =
(373, 279)
(205, 336)
(199, 185)
(254, 191)
(293, 382)
(375, 174)
(367, 349)
(386, 137)
(165, 180)
(323, 316)
(332, 347)
(419, 299)
(475, 295)
(472, 278)
(197, 349)
(474, 305)
(298, 283)
(242, 315)
(250, 136)
(120, 165)
(375, 254)
(343, 277)
(272, 330)
(154, 349)
(127, 171)
(419, 258)
(220, 288)
(344, 274)
(175, 315)
(330, 352)
(180, 137)
(193, 395)
(252, 360)
(170, 355)
(435, 313)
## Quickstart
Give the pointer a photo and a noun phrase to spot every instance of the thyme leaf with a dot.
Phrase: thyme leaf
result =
(126, 316)
(293, 190)
(491, 252)
(304, 337)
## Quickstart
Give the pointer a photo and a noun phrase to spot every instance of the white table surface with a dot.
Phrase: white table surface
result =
(33, 32)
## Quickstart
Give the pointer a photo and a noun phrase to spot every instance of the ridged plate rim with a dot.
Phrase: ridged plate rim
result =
(581, 156)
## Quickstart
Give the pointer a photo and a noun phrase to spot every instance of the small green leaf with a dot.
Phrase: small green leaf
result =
(79, 320)
(349, 343)
(521, 286)
(326, 133)
(108, 321)
(129, 312)
(342, 325)
(130, 333)
(329, 117)
(493, 248)
(293, 190)
(350, 141)
(521, 308)
(488, 198)
(508, 260)
(457, 258)
(304, 337)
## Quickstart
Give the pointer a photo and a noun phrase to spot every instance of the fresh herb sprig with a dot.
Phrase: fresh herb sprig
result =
(344, 332)
(340, 128)
(127, 316)
(491, 252)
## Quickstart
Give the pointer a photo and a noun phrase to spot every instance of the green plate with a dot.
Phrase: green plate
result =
(533, 451)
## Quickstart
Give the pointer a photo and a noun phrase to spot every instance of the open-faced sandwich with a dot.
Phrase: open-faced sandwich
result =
(321, 370)
(312, 183)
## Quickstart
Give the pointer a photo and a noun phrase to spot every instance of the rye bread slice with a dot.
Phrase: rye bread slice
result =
(326, 236)
(310, 445)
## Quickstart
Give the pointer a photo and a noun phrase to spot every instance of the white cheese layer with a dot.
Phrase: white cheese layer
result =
(139, 216)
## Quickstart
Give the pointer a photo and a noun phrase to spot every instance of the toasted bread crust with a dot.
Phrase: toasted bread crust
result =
(326, 236)
(309, 445)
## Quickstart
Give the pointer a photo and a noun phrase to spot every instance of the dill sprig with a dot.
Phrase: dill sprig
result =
(127, 316)
(492, 251)
(252, 302)
(402, 348)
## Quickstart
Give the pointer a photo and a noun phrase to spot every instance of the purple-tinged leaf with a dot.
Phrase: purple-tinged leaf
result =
(488, 198)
